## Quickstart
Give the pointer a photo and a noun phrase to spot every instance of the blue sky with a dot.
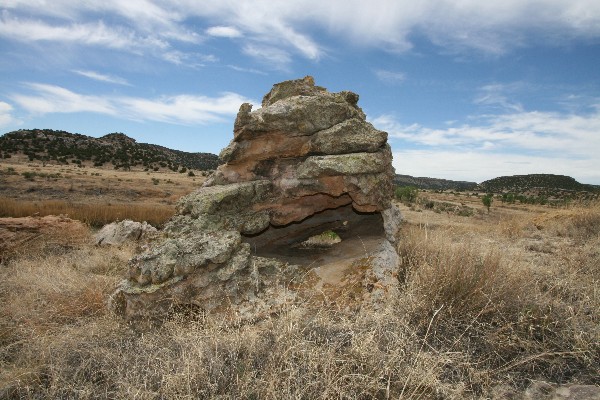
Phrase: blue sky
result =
(466, 89)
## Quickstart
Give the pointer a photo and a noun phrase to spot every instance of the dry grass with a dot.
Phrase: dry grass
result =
(96, 215)
(474, 311)
(579, 223)
(461, 277)
(33, 181)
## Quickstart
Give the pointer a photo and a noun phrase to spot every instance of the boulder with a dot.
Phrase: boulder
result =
(304, 163)
(117, 233)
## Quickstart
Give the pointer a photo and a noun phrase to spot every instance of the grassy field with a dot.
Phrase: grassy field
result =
(95, 196)
(487, 303)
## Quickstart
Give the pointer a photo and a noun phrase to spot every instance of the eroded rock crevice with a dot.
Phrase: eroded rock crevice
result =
(304, 164)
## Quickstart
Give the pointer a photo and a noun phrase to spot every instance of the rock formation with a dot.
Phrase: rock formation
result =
(304, 163)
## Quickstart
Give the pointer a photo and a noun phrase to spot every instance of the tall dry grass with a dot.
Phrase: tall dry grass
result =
(95, 215)
(468, 318)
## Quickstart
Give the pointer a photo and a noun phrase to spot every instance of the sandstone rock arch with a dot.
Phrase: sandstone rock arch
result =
(307, 161)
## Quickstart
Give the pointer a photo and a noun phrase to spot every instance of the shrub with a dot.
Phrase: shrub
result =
(487, 201)
(29, 175)
(407, 194)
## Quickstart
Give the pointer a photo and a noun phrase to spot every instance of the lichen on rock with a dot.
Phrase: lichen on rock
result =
(306, 162)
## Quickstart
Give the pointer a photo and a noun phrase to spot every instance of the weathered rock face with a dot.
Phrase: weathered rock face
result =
(305, 162)
(315, 147)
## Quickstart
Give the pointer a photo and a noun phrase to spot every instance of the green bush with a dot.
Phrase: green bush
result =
(487, 201)
(29, 175)
(407, 194)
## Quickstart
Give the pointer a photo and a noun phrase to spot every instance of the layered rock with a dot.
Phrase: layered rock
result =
(315, 147)
(306, 161)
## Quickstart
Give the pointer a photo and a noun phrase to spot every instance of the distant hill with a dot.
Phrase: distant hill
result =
(433, 183)
(115, 149)
(524, 183)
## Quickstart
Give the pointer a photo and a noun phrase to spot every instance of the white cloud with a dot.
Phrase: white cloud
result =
(183, 109)
(495, 96)
(147, 35)
(272, 56)
(6, 117)
(480, 166)
(55, 99)
(390, 77)
(189, 59)
(224, 31)
(267, 24)
(302, 43)
(489, 26)
(102, 77)
(92, 34)
(249, 70)
(147, 16)
(506, 144)
(572, 135)
(288, 27)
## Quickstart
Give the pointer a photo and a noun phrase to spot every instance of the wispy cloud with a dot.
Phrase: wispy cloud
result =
(479, 166)
(102, 77)
(160, 42)
(47, 99)
(224, 31)
(93, 34)
(490, 27)
(188, 59)
(506, 144)
(390, 77)
(495, 96)
(553, 133)
(249, 70)
(290, 28)
(183, 109)
(6, 117)
(275, 57)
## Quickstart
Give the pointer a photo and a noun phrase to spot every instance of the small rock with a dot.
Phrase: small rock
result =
(540, 390)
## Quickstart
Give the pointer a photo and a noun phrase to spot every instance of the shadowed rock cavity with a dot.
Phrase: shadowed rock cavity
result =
(305, 163)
